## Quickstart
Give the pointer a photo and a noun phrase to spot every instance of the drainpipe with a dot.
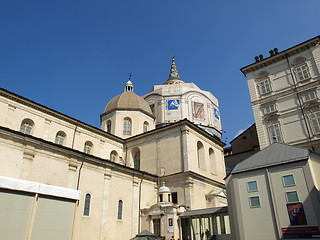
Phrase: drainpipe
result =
(78, 183)
(74, 134)
(299, 100)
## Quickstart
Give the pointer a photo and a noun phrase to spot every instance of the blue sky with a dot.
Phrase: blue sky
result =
(75, 55)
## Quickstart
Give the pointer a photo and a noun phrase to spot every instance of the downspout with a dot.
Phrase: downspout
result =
(74, 134)
(78, 183)
(299, 100)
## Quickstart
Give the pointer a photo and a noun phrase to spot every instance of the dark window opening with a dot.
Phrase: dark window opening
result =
(174, 197)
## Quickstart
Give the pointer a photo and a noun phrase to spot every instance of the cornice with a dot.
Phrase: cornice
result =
(281, 56)
(70, 153)
(196, 176)
(29, 103)
(184, 122)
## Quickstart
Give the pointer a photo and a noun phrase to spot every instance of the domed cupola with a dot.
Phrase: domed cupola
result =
(176, 100)
(164, 194)
(127, 114)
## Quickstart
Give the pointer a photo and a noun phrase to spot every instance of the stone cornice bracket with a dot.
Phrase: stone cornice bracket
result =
(271, 116)
(107, 176)
(29, 152)
(73, 166)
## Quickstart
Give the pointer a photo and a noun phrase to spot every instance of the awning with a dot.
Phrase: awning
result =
(205, 211)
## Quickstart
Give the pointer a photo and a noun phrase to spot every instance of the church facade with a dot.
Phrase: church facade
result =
(153, 159)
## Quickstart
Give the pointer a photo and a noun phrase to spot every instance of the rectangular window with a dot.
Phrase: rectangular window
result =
(270, 108)
(274, 132)
(288, 180)
(174, 196)
(303, 72)
(315, 121)
(292, 197)
(309, 96)
(254, 201)
(265, 86)
(223, 225)
(252, 186)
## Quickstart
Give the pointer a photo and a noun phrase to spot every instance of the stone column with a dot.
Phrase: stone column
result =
(104, 227)
(9, 116)
(184, 150)
(175, 224)
(72, 175)
(135, 207)
(28, 155)
(151, 227)
(188, 193)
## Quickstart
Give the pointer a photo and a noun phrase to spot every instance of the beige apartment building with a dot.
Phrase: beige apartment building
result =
(151, 161)
(274, 194)
(284, 91)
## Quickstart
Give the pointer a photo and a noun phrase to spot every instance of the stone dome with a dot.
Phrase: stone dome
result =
(163, 189)
(128, 101)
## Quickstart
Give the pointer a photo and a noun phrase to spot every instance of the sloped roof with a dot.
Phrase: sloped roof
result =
(145, 233)
(205, 211)
(275, 154)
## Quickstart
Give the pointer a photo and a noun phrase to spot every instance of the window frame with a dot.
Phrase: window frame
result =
(266, 111)
(87, 148)
(120, 210)
(264, 83)
(108, 125)
(310, 93)
(286, 193)
(145, 127)
(271, 137)
(86, 206)
(304, 73)
(314, 118)
(290, 185)
(60, 136)
(255, 190)
(26, 126)
(250, 202)
(127, 126)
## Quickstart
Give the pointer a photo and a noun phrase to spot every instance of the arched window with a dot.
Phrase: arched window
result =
(26, 126)
(212, 158)
(60, 138)
(120, 206)
(152, 106)
(109, 126)
(145, 126)
(86, 209)
(200, 153)
(197, 108)
(88, 147)
(136, 158)
(127, 126)
(113, 156)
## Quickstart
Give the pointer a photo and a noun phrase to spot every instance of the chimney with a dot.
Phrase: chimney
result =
(256, 58)
(261, 57)
(271, 53)
(275, 50)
